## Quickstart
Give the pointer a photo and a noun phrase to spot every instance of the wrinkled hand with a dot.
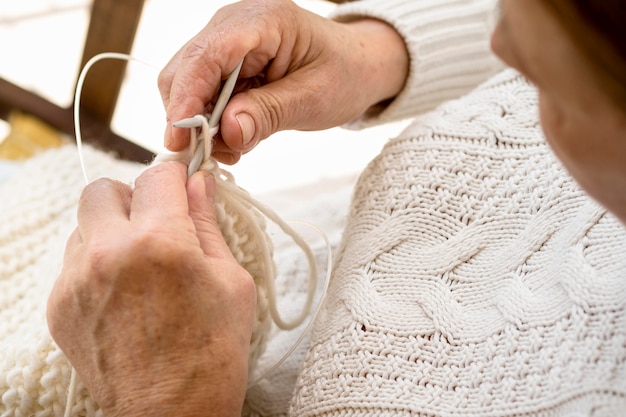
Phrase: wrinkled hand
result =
(151, 308)
(301, 71)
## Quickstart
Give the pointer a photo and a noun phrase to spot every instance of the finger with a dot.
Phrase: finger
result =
(178, 143)
(166, 76)
(104, 205)
(201, 193)
(73, 244)
(293, 102)
(227, 158)
(159, 194)
(177, 79)
(223, 153)
(195, 83)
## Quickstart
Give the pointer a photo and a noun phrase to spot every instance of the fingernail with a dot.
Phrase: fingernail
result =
(168, 135)
(246, 124)
(209, 184)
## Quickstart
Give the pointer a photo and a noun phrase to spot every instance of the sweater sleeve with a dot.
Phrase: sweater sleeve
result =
(449, 48)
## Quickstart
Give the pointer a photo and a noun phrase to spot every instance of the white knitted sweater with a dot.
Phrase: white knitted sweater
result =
(474, 277)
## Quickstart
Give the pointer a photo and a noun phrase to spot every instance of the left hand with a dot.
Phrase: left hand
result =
(300, 71)
(151, 308)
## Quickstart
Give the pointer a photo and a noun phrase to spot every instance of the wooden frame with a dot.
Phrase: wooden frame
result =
(102, 84)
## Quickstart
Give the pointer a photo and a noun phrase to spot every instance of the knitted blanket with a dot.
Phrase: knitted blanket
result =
(39, 201)
(474, 278)
(38, 204)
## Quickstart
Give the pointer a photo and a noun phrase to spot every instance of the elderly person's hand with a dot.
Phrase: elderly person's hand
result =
(312, 73)
(151, 308)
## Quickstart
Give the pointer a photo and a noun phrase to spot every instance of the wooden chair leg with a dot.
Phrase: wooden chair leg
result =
(112, 28)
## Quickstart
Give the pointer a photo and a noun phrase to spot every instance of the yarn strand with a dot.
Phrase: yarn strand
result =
(234, 195)
(77, 95)
(71, 393)
(294, 346)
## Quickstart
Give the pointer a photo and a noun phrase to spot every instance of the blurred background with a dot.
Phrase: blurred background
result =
(41, 47)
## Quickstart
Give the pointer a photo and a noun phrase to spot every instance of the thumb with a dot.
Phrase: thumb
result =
(201, 195)
(256, 114)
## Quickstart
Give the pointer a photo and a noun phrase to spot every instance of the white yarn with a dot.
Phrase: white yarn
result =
(77, 96)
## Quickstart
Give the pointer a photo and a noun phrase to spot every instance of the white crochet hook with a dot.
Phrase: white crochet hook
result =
(213, 118)
(222, 100)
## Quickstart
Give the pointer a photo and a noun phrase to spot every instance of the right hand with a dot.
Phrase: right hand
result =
(151, 308)
(312, 73)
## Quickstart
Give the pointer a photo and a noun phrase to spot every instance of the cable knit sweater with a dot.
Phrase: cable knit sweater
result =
(474, 277)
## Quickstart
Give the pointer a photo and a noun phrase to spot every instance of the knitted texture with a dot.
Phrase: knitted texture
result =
(39, 212)
(39, 206)
(474, 278)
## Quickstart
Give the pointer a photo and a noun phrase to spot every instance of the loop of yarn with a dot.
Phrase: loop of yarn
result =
(197, 155)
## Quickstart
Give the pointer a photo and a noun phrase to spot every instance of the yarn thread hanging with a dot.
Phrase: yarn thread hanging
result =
(235, 204)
